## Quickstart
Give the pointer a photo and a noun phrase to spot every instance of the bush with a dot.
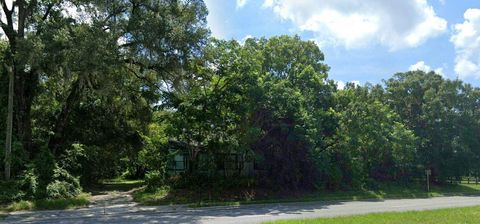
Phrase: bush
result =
(10, 191)
(45, 179)
(43, 168)
(61, 190)
(154, 179)
(72, 157)
(29, 182)
(64, 185)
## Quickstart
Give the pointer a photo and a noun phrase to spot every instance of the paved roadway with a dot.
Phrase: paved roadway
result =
(132, 213)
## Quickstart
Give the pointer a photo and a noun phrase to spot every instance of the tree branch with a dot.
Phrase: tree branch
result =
(22, 16)
(47, 12)
(8, 27)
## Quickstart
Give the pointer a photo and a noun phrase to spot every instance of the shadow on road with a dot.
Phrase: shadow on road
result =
(129, 213)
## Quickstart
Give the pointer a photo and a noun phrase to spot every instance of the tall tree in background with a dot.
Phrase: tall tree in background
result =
(74, 60)
(372, 136)
(145, 36)
(19, 16)
(9, 124)
(444, 115)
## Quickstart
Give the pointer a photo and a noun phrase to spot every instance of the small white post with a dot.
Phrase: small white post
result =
(428, 172)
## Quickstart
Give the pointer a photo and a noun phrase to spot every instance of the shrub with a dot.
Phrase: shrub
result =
(61, 190)
(43, 168)
(154, 179)
(45, 179)
(29, 182)
(71, 159)
(64, 185)
(10, 191)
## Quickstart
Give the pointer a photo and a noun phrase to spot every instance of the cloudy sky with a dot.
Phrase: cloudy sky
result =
(366, 40)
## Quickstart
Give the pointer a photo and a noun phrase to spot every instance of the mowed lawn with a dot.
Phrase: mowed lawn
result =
(465, 215)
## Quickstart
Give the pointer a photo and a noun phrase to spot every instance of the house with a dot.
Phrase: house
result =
(226, 164)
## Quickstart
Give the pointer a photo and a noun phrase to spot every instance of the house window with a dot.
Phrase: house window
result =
(179, 163)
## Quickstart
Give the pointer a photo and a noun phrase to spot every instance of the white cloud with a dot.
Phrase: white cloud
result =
(80, 13)
(242, 41)
(421, 66)
(439, 71)
(341, 84)
(356, 82)
(395, 24)
(241, 3)
(466, 39)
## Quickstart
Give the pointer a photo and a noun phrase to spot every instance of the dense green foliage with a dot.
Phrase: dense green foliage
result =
(118, 87)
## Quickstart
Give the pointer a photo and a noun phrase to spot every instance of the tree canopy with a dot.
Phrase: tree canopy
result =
(110, 88)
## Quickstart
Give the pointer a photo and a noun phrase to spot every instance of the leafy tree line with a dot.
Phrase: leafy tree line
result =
(87, 75)
(103, 88)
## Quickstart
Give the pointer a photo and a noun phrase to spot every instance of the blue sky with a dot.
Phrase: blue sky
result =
(365, 40)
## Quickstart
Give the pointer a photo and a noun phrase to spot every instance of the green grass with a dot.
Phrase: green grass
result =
(202, 198)
(117, 184)
(120, 181)
(155, 197)
(80, 201)
(465, 215)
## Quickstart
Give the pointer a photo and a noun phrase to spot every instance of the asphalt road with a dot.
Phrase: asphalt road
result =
(132, 213)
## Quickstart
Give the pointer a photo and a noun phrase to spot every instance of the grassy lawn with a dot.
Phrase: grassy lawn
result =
(200, 198)
(120, 184)
(114, 185)
(80, 201)
(443, 216)
(156, 197)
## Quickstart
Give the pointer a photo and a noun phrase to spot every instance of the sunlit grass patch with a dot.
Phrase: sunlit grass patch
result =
(153, 197)
(81, 200)
(467, 215)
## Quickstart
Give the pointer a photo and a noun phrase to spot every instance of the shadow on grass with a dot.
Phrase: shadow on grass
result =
(120, 185)
(212, 197)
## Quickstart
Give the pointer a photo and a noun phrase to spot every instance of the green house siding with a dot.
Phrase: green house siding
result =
(221, 164)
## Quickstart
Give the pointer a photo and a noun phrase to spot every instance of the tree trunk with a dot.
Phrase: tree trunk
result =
(25, 84)
(8, 141)
(56, 140)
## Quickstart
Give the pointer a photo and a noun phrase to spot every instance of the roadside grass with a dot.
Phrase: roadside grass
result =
(117, 184)
(120, 184)
(212, 197)
(154, 197)
(81, 200)
(465, 215)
